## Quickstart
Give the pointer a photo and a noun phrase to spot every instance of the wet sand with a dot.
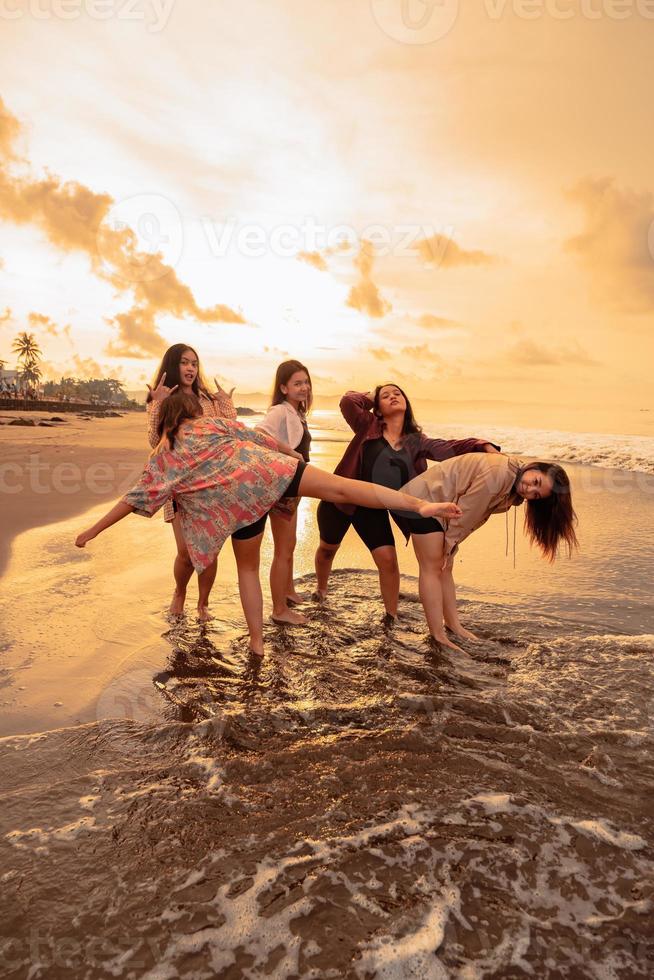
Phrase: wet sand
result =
(358, 805)
(49, 474)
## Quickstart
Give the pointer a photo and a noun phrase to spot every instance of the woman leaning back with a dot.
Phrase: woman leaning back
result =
(180, 371)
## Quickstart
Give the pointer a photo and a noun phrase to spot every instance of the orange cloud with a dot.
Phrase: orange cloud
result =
(313, 258)
(380, 353)
(422, 352)
(364, 295)
(39, 321)
(431, 322)
(537, 355)
(617, 244)
(441, 251)
(74, 218)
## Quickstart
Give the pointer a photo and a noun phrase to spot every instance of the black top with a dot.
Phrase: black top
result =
(386, 466)
(305, 442)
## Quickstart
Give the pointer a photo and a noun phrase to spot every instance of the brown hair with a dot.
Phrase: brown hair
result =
(409, 425)
(175, 409)
(549, 521)
(170, 367)
(283, 375)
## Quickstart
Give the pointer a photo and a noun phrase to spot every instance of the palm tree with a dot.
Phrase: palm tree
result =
(27, 349)
(32, 373)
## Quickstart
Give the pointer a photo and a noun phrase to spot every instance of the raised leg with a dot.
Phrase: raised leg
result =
(247, 553)
(429, 552)
(340, 490)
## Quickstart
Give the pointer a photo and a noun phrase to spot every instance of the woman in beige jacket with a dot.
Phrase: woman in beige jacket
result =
(482, 485)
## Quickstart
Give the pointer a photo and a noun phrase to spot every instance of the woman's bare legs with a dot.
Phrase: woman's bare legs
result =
(340, 490)
(183, 570)
(247, 553)
(429, 552)
(281, 569)
(385, 559)
(450, 612)
(323, 560)
(205, 585)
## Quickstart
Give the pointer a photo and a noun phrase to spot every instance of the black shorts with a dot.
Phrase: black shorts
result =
(413, 524)
(373, 526)
(251, 530)
(258, 527)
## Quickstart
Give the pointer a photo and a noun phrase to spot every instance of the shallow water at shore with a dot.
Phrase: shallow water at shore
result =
(359, 804)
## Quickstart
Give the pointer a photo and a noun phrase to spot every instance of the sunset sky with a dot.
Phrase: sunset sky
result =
(471, 215)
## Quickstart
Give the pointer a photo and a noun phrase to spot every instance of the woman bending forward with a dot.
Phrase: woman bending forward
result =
(483, 485)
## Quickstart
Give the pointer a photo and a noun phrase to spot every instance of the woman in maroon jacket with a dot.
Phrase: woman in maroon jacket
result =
(388, 443)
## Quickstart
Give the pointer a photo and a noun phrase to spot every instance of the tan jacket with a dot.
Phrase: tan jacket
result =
(480, 483)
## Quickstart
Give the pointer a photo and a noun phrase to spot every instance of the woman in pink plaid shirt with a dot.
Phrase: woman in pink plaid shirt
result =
(180, 371)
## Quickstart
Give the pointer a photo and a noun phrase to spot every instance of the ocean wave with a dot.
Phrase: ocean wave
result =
(606, 450)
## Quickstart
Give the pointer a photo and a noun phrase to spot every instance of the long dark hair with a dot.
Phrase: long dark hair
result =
(283, 375)
(410, 425)
(170, 365)
(550, 521)
(177, 408)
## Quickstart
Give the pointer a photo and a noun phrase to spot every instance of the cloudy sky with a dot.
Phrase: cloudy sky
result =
(457, 197)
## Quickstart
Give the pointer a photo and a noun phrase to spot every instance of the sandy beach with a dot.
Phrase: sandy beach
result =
(49, 474)
(352, 801)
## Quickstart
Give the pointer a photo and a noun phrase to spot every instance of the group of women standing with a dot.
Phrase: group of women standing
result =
(215, 477)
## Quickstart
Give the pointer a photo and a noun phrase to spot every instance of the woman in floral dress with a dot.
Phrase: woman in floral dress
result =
(180, 371)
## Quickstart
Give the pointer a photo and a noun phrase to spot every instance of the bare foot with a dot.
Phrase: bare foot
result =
(319, 596)
(288, 617)
(295, 598)
(448, 510)
(443, 641)
(388, 621)
(203, 614)
(256, 647)
(462, 633)
(177, 603)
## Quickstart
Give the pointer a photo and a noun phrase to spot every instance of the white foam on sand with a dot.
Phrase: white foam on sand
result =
(403, 957)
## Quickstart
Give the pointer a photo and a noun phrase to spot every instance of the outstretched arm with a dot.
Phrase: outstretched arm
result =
(117, 512)
(441, 449)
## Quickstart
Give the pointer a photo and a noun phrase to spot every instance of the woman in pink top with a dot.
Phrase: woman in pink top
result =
(180, 371)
